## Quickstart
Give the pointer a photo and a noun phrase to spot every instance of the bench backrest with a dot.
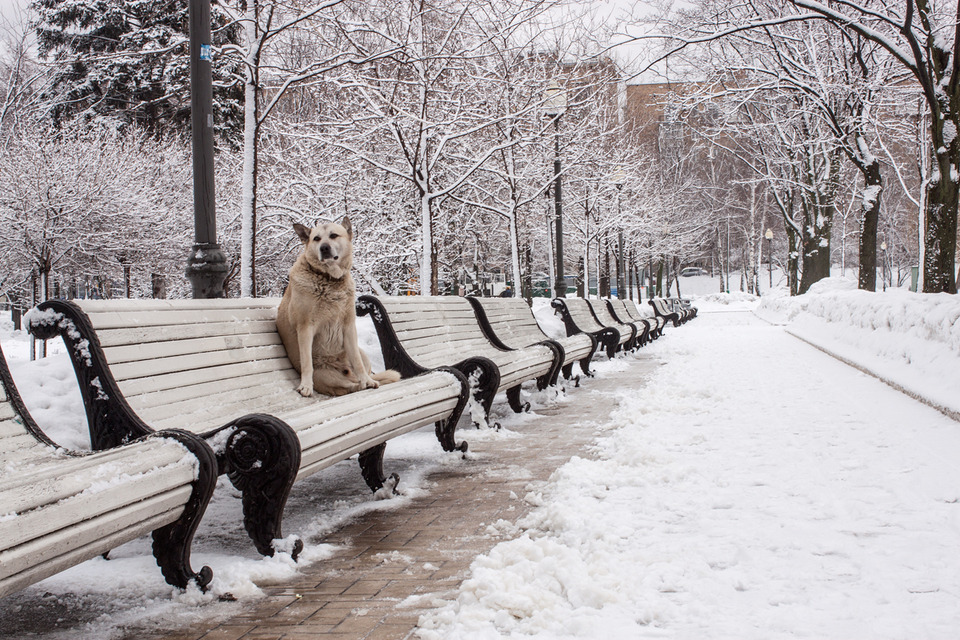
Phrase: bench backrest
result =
(620, 308)
(579, 310)
(203, 355)
(602, 312)
(436, 330)
(512, 321)
(662, 306)
(636, 312)
(20, 440)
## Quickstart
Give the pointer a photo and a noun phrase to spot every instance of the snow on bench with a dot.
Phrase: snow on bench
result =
(59, 508)
(578, 317)
(217, 368)
(421, 332)
(510, 324)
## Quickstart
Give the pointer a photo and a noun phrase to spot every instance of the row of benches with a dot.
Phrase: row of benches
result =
(178, 392)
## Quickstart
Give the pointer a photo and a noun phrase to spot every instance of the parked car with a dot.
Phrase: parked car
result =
(692, 271)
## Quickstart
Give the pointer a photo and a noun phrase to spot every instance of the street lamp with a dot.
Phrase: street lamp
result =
(554, 105)
(769, 236)
(207, 264)
(883, 265)
(618, 179)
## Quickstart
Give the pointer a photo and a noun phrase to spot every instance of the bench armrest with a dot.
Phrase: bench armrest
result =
(110, 419)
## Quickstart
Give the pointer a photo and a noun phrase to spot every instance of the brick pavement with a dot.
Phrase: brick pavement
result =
(392, 565)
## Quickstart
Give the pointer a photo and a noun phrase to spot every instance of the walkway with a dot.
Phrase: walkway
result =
(395, 564)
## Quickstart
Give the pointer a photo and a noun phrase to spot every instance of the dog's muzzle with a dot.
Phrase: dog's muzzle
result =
(326, 252)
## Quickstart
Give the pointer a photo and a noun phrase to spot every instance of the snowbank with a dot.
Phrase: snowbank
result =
(911, 340)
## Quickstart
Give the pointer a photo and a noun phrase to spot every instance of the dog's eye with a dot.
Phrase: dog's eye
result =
(317, 239)
(334, 236)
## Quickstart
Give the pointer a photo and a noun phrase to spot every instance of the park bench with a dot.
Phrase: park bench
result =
(670, 310)
(686, 306)
(578, 318)
(217, 368)
(59, 508)
(645, 326)
(423, 332)
(601, 311)
(664, 310)
(656, 323)
(509, 323)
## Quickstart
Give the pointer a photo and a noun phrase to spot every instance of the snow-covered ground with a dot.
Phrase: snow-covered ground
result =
(754, 488)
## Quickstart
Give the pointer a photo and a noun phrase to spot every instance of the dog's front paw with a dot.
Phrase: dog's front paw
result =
(306, 390)
(369, 383)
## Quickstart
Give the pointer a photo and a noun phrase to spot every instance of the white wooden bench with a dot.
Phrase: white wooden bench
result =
(686, 306)
(618, 309)
(218, 368)
(670, 310)
(656, 323)
(510, 324)
(59, 508)
(578, 317)
(601, 312)
(421, 332)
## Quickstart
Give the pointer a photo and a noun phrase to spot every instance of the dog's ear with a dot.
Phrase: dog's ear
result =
(302, 231)
(346, 225)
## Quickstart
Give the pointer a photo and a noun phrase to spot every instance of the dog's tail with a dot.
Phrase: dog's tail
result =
(386, 377)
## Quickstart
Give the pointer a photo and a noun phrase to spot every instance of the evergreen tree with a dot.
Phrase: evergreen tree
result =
(128, 60)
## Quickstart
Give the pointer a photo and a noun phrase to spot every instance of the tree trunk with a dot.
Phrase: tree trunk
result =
(815, 244)
(248, 188)
(940, 235)
(872, 188)
(427, 252)
(580, 278)
(515, 253)
(793, 261)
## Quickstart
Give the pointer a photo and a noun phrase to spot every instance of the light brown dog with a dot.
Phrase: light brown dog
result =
(317, 316)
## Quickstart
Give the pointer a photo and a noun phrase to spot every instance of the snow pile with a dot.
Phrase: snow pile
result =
(732, 299)
(910, 340)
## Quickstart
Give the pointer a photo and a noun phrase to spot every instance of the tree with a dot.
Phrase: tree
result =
(923, 38)
(427, 104)
(127, 61)
(80, 200)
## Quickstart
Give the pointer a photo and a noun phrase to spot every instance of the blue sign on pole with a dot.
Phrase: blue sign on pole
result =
(206, 53)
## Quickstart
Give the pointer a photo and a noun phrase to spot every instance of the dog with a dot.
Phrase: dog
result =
(317, 315)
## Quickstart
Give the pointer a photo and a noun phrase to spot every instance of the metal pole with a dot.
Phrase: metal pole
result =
(770, 259)
(561, 284)
(207, 264)
(621, 279)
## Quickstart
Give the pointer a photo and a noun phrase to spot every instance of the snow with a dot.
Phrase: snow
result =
(756, 487)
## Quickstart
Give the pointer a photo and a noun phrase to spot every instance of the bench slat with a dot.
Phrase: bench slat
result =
(175, 380)
(42, 558)
(66, 513)
(110, 339)
(118, 319)
(58, 477)
(159, 365)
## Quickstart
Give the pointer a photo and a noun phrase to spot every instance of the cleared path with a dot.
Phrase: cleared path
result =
(757, 488)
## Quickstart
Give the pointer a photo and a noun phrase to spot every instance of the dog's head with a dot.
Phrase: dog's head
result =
(328, 247)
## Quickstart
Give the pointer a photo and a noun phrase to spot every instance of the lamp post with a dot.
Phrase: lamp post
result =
(555, 103)
(769, 236)
(207, 264)
(883, 265)
(618, 179)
